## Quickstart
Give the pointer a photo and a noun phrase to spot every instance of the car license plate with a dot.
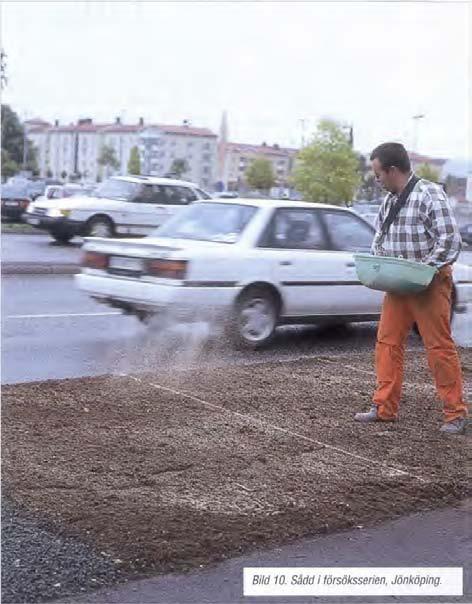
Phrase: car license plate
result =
(32, 220)
(11, 203)
(124, 263)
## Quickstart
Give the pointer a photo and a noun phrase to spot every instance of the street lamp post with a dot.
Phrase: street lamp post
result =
(302, 124)
(416, 119)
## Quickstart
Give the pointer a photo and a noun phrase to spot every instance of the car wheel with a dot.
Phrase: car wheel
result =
(144, 317)
(254, 318)
(61, 236)
(100, 226)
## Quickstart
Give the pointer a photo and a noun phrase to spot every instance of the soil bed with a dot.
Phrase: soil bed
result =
(167, 471)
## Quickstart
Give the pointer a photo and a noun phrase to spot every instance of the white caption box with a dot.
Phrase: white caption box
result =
(353, 581)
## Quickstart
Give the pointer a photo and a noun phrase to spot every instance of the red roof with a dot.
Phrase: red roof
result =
(122, 128)
(184, 130)
(424, 159)
(37, 129)
(131, 128)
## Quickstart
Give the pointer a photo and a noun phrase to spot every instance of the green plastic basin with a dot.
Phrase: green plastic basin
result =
(393, 275)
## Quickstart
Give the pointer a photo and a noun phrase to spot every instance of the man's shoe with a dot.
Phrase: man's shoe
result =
(369, 416)
(456, 426)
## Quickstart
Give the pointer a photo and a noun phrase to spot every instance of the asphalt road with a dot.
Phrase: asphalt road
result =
(38, 248)
(52, 330)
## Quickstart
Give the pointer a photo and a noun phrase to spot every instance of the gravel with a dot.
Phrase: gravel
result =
(39, 564)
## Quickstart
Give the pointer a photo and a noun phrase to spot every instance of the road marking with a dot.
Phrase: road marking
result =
(58, 315)
(276, 428)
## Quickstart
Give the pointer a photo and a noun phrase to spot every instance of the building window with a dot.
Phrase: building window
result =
(190, 144)
(206, 146)
(206, 157)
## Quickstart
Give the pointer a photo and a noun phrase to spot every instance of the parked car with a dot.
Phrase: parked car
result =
(67, 190)
(15, 201)
(368, 211)
(247, 264)
(466, 234)
(122, 205)
(36, 188)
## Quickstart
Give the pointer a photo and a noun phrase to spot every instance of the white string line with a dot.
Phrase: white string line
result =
(263, 423)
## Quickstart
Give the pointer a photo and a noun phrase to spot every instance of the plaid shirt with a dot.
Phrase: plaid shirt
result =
(424, 230)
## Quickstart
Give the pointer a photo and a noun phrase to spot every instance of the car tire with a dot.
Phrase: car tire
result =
(61, 236)
(100, 226)
(144, 317)
(254, 319)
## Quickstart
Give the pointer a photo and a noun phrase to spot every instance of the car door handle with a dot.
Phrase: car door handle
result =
(350, 264)
(285, 263)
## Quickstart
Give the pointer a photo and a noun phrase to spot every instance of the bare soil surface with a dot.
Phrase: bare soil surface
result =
(163, 472)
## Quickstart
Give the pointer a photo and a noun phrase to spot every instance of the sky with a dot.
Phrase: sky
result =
(277, 68)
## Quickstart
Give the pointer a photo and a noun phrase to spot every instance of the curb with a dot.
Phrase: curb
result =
(39, 268)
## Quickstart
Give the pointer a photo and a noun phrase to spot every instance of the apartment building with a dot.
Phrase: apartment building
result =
(237, 157)
(75, 149)
(161, 145)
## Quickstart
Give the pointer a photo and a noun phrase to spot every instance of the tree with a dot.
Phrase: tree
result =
(179, 167)
(327, 170)
(108, 159)
(428, 172)
(9, 167)
(260, 175)
(13, 144)
(134, 163)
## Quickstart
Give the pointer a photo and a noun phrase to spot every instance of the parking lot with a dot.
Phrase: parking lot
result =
(181, 469)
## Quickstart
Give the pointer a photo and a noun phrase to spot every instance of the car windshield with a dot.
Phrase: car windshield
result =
(219, 222)
(115, 188)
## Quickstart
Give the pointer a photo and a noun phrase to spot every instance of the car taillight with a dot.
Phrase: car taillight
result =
(95, 260)
(167, 269)
(24, 203)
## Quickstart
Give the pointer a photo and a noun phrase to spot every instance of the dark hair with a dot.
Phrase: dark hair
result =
(392, 154)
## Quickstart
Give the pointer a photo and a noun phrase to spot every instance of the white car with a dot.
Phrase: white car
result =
(249, 264)
(122, 205)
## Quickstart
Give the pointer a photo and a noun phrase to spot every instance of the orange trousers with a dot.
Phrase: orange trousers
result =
(430, 310)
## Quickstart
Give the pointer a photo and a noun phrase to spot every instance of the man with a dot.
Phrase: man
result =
(423, 231)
